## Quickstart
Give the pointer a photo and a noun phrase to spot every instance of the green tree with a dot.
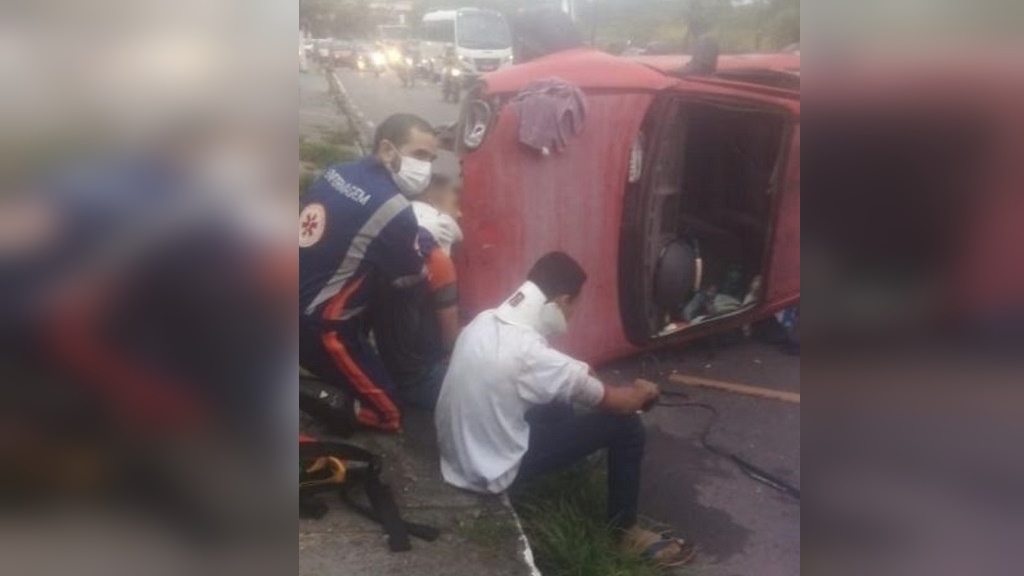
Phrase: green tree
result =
(783, 22)
(336, 18)
(507, 7)
(756, 25)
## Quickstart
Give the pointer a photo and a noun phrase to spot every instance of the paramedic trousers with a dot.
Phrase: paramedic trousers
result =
(341, 355)
(422, 393)
(559, 438)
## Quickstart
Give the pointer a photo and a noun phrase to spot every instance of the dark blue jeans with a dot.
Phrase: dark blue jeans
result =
(559, 438)
(422, 393)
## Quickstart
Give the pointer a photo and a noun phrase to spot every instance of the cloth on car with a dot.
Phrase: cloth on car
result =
(550, 110)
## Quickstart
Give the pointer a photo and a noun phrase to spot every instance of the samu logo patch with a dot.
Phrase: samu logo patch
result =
(312, 222)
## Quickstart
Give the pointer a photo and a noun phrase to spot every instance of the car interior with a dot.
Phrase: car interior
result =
(706, 211)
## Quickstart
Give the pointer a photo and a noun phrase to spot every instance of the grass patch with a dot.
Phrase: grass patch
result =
(565, 518)
(336, 146)
(489, 532)
(345, 137)
(324, 154)
(305, 179)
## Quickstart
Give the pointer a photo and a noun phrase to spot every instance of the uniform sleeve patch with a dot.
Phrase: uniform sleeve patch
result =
(312, 222)
(517, 299)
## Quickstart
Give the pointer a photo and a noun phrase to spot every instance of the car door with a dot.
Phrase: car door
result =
(646, 231)
(782, 258)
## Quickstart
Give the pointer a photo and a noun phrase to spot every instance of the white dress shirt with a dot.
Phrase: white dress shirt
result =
(501, 366)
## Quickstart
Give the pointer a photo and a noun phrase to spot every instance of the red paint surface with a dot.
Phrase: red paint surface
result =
(589, 69)
(783, 62)
(519, 205)
(783, 282)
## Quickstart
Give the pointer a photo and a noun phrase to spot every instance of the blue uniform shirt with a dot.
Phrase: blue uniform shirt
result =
(354, 223)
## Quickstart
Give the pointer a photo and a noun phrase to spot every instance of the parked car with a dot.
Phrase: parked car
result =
(344, 54)
(680, 197)
(322, 50)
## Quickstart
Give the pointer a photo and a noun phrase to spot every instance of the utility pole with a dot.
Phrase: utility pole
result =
(569, 7)
(593, 23)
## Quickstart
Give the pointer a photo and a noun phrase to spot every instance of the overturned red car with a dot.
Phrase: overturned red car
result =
(680, 196)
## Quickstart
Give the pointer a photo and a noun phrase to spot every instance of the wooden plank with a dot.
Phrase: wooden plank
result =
(792, 397)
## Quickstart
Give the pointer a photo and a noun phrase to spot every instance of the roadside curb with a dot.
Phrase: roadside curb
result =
(363, 127)
(480, 533)
(525, 550)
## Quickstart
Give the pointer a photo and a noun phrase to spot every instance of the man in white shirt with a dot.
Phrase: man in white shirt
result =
(502, 368)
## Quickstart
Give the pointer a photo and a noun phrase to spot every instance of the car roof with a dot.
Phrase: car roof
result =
(780, 62)
(592, 69)
(584, 67)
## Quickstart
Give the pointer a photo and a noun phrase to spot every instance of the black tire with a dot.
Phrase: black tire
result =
(674, 275)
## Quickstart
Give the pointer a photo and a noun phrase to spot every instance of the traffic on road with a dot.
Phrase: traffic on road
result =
(448, 53)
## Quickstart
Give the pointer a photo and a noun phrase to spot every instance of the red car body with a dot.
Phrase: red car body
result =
(519, 204)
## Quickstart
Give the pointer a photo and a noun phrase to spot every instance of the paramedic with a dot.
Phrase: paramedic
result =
(357, 227)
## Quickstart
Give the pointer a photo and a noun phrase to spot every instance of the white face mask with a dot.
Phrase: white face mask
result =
(413, 175)
(552, 320)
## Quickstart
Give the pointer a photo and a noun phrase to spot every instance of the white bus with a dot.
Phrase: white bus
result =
(480, 39)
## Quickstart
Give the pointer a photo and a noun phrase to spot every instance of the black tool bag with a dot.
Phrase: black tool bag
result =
(327, 405)
(332, 466)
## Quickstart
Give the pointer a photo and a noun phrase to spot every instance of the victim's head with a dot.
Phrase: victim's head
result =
(445, 190)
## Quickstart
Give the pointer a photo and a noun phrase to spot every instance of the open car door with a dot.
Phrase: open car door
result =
(711, 218)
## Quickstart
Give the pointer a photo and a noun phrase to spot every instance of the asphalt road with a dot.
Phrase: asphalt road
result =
(378, 98)
(741, 527)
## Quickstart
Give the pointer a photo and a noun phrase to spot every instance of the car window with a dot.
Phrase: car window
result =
(667, 169)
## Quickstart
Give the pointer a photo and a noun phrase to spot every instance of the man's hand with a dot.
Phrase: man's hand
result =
(629, 399)
(648, 392)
